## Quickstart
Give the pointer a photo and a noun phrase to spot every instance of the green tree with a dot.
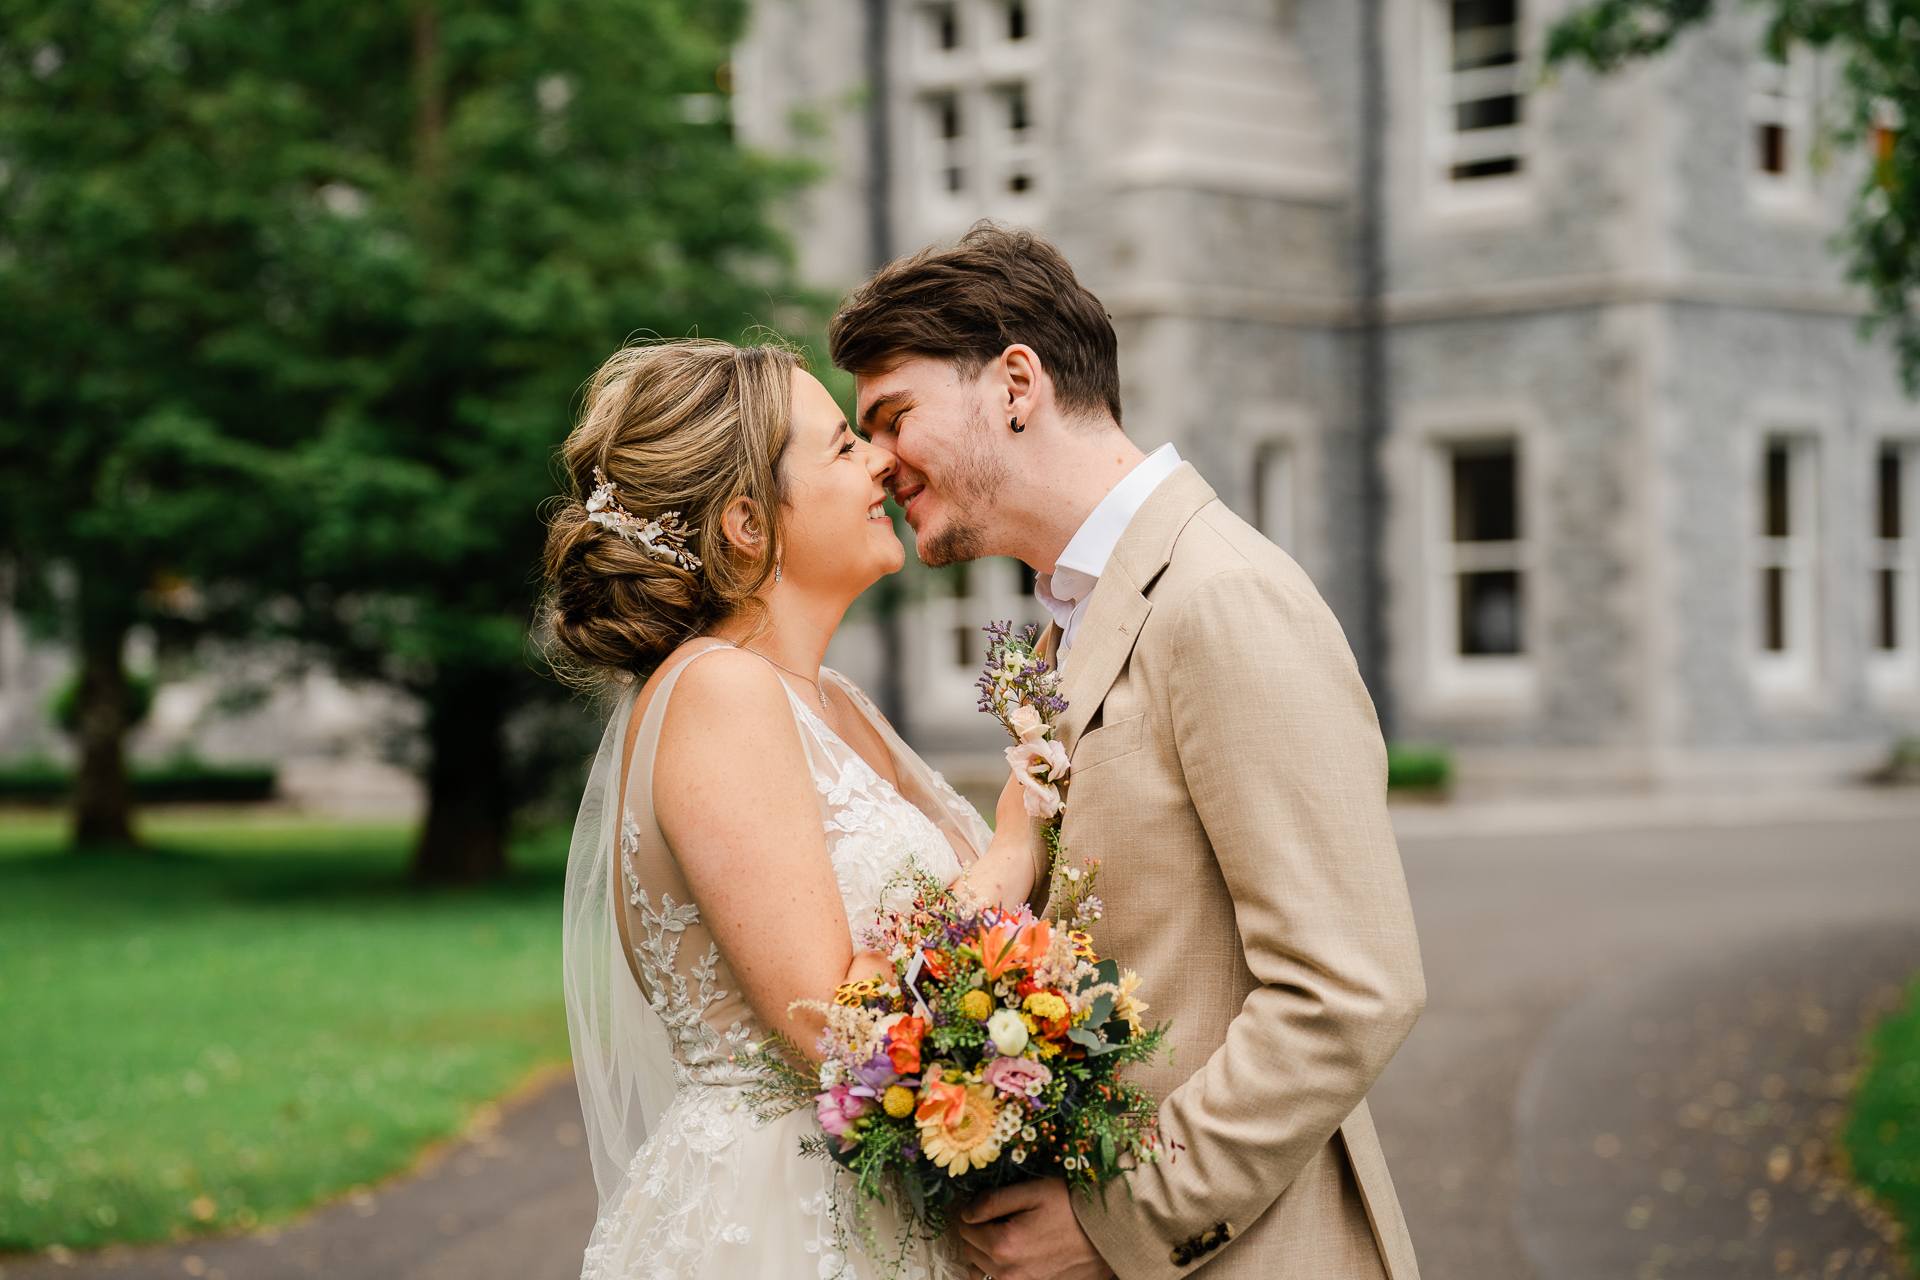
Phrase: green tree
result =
(506, 190)
(141, 154)
(295, 301)
(1880, 43)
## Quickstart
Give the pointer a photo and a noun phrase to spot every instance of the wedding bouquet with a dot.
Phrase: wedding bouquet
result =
(988, 1055)
(990, 1052)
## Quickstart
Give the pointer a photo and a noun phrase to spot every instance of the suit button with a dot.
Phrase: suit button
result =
(1180, 1257)
(1209, 1241)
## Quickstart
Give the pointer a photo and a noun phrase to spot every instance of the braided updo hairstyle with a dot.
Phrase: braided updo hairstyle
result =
(683, 426)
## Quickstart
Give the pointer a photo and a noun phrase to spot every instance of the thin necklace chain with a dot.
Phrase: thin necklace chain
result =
(789, 670)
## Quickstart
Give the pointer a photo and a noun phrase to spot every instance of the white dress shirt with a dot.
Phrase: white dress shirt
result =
(1066, 590)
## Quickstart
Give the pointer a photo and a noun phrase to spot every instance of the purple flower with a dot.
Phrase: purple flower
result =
(874, 1075)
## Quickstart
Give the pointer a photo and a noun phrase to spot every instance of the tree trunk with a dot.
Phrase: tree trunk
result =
(102, 802)
(468, 800)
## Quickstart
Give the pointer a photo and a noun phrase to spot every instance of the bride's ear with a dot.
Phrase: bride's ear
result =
(743, 526)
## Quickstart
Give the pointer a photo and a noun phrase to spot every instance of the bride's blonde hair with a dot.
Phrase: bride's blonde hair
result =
(684, 426)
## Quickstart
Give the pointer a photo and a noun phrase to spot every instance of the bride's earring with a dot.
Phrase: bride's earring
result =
(1017, 425)
(776, 569)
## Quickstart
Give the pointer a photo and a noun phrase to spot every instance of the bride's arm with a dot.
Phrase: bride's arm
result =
(1006, 872)
(736, 802)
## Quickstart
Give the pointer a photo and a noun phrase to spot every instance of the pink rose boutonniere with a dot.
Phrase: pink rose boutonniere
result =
(1022, 691)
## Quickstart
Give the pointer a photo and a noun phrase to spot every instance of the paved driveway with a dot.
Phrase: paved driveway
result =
(1635, 1040)
(1635, 1044)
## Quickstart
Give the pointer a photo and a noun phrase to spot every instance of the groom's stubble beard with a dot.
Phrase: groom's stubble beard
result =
(971, 478)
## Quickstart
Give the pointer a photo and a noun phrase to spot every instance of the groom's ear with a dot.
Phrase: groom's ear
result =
(1021, 375)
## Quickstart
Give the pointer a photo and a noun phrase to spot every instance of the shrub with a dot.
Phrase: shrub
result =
(1882, 1136)
(181, 780)
(1418, 768)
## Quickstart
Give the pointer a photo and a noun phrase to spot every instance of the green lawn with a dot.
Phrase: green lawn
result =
(254, 1016)
(1882, 1137)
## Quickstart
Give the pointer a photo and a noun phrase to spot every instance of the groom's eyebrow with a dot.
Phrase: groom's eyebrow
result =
(892, 400)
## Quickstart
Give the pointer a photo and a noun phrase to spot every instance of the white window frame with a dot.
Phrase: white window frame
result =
(1895, 673)
(1783, 94)
(1276, 493)
(944, 697)
(980, 74)
(1444, 145)
(1492, 680)
(1792, 671)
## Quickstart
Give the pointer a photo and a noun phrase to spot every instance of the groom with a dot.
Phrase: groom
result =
(1227, 769)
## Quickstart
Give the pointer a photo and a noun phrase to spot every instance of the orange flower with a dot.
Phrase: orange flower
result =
(1003, 948)
(903, 1044)
(941, 1104)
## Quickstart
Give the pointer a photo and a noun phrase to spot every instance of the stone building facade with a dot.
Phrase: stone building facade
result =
(1551, 382)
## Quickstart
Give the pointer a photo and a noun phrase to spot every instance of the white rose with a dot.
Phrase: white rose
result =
(1008, 1033)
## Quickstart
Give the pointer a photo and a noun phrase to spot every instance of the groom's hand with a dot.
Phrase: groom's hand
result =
(1028, 1232)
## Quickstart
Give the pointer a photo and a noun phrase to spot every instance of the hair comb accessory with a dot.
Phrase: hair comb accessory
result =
(664, 539)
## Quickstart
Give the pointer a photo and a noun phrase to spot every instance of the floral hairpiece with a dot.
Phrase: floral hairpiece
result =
(664, 539)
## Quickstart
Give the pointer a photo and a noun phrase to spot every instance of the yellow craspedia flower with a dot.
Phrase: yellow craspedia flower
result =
(967, 1143)
(977, 1004)
(1045, 1004)
(899, 1101)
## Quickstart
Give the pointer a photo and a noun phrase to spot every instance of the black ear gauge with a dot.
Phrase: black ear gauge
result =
(1017, 425)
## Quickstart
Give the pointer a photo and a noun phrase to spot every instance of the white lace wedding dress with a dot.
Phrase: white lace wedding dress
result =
(712, 1192)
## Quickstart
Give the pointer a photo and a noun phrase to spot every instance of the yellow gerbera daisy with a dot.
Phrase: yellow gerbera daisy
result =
(970, 1141)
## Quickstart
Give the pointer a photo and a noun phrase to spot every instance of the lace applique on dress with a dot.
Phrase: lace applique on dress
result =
(876, 839)
(700, 1052)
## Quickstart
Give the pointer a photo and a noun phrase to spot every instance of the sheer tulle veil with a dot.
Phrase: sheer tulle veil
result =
(621, 1053)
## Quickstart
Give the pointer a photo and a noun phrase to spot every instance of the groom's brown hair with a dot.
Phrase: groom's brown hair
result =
(969, 302)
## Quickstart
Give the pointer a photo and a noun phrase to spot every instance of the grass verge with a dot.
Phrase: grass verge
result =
(252, 1016)
(1882, 1135)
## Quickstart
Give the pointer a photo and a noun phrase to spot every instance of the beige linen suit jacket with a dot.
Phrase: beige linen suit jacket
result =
(1228, 771)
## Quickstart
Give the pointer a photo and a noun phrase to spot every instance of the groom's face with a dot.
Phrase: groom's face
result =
(940, 427)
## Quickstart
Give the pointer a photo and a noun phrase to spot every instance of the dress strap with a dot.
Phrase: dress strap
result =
(647, 742)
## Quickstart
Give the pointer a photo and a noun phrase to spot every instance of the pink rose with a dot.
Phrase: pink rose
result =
(1017, 1077)
(838, 1108)
(1041, 798)
(1026, 722)
(1046, 757)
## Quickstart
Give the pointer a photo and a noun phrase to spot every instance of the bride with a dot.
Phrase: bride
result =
(749, 809)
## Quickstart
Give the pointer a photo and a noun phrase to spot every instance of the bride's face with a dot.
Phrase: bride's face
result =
(835, 532)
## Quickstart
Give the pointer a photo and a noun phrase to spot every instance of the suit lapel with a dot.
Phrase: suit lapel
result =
(1107, 632)
(1119, 607)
